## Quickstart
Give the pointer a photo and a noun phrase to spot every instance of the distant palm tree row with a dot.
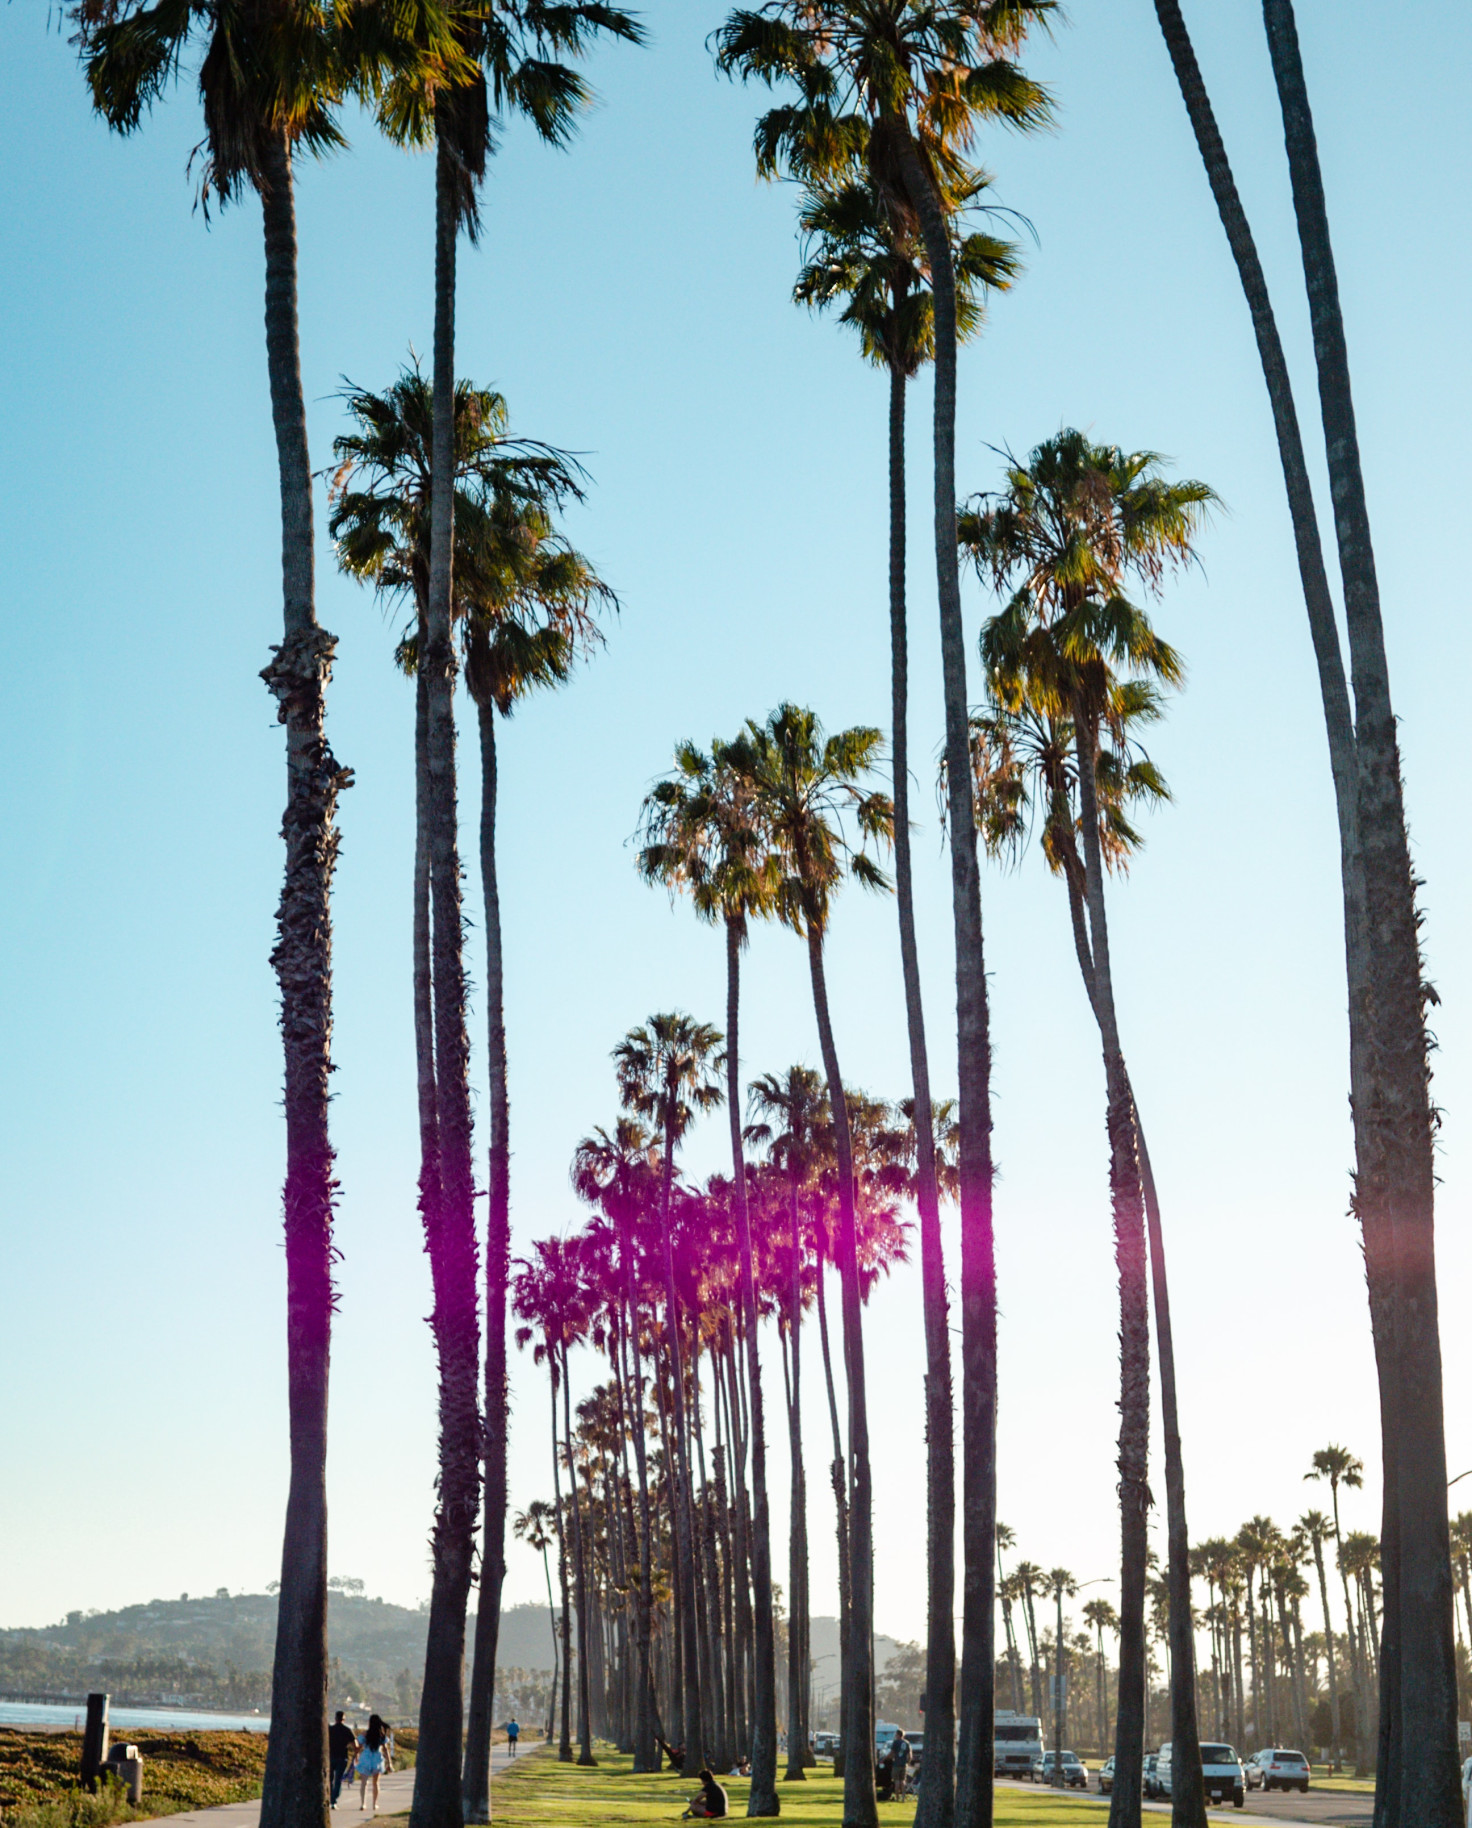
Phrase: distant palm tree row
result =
(878, 106)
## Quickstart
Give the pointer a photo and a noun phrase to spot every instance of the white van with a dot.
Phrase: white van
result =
(1221, 1773)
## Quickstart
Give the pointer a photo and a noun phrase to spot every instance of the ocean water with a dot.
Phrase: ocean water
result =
(130, 1719)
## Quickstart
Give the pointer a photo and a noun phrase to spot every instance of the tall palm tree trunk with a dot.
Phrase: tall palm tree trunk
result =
(937, 1804)
(1388, 1078)
(564, 1746)
(686, 1574)
(580, 1580)
(476, 1776)
(840, 1504)
(452, 1241)
(552, 1621)
(1329, 1647)
(707, 1594)
(973, 1049)
(860, 1808)
(1188, 1792)
(762, 1799)
(1417, 1778)
(1127, 1202)
(744, 1557)
(797, 1531)
(646, 1751)
(294, 1794)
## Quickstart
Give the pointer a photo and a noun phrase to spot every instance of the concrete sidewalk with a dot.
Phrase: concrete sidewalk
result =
(395, 1793)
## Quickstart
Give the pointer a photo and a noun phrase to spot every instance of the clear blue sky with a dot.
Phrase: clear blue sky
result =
(631, 298)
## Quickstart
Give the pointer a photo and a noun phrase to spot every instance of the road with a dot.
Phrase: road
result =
(1328, 1808)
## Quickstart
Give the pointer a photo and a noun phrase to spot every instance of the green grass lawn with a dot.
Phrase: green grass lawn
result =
(538, 1792)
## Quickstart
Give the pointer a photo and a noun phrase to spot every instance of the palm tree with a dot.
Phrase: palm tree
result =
(536, 1526)
(862, 257)
(806, 786)
(550, 1296)
(617, 1171)
(1388, 991)
(702, 835)
(901, 90)
(1063, 540)
(271, 80)
(792, 1109)
(1316, 1527)
(523, 601)
(1062, 1583)
(1030, 1580)
(506, 64)
(668, 1072)
(1102, 1616)
(1337, 1466)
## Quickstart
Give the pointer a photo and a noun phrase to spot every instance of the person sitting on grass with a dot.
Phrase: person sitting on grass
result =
(709, 1802)
(674, 1754)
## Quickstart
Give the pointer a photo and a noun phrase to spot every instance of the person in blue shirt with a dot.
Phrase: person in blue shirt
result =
(513, 1733)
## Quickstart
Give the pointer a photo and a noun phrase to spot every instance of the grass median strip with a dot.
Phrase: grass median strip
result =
(538, 1792)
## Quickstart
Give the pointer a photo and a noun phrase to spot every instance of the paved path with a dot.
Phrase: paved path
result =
(1328, 1808)
(395, 1793)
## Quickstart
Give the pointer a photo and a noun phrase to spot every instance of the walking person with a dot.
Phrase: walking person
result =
(513, 1733)
(341, 1740)
(899, 1752)
(370, 1763)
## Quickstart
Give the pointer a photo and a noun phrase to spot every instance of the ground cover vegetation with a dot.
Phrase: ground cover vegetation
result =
(659, 1508)
(181, 1771)
(540, 1793)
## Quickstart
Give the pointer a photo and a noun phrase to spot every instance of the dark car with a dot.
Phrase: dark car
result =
(1075, 1773)
(1152, 1788)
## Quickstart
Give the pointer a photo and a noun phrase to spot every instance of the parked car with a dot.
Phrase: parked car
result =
(1106, 1777)
(1222, 1775)
(1075, 1772)
(1151, 1760)
(917, 1750)
(825, 1744)
(1280, 1769)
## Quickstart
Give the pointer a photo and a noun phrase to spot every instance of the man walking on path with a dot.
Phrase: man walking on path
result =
(513, 1733)
(899, 1751)
(340, 1742)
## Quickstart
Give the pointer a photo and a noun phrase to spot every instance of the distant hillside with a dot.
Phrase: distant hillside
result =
(216, 1652)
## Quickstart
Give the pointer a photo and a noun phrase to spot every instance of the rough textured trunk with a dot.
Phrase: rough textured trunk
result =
(1127, 1204)
(646, 1752)
(797, 1535)
(937, 1805)
(1338, 1751)
(1395, 1180)
(476, 1776)
(742, 1582)
(580, 1585)
(686, 1572)
(973, 1050)
(1388, 1070)
(1188, 1792)
(762, 1799)
(295, 1787)
(706, 1590)
(840, 1504)
(564, 1744)
(860, 1808)
(552, 1622)
(451, 1242)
